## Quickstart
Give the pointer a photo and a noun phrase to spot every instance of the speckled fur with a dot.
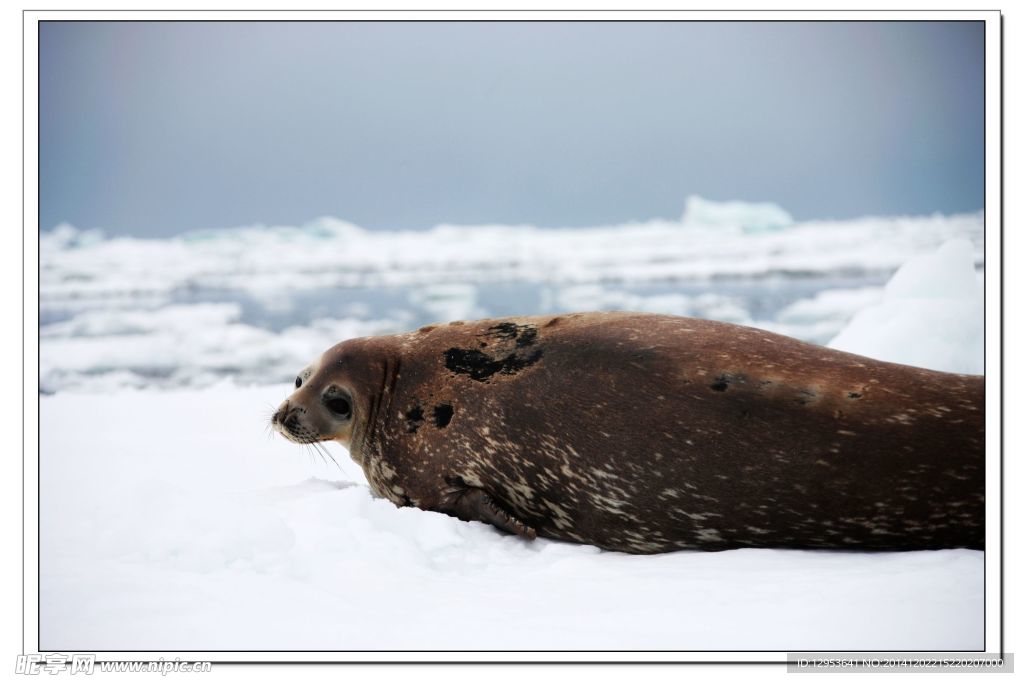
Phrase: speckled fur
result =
(649, 433)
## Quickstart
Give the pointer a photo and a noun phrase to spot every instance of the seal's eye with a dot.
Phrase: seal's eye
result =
(298, 382)
(339, 406)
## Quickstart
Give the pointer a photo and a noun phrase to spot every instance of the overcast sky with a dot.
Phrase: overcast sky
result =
(157, 128)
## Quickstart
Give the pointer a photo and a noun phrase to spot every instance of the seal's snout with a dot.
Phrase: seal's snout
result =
(281, 414)
(286, 420)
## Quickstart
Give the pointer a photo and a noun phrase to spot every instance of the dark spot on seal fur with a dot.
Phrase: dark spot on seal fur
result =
(523, 335)
(506, 330)
(806, 396)
(853, 395)
(443, 415)
(724, 380)
(481, 367)
(527, 337)
(414, 416)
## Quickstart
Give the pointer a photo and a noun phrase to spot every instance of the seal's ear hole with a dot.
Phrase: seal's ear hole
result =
(339, 406)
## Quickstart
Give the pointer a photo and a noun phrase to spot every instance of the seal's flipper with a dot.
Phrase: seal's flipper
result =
(477, 505)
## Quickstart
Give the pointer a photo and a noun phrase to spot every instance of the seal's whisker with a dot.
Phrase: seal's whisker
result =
(309, 453)
(323, 449)
(313, 447)
(306, 438)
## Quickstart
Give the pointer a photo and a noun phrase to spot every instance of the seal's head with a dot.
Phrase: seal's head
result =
(324, 405)
(332, 395)
(320, 409)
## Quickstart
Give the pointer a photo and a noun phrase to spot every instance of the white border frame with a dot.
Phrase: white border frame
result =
(993, 308)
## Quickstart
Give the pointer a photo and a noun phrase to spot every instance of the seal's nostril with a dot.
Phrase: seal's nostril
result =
(281, 413)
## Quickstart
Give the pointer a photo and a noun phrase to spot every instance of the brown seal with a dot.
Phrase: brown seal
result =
(648, 433)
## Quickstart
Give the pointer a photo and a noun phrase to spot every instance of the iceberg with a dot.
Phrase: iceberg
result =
(750, 217)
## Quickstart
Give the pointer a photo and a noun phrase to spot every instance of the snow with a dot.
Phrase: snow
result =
(171, 519)
(930, 315)
(198, 532)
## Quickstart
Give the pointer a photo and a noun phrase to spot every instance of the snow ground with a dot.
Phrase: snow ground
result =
(171, 521)
(202, 533)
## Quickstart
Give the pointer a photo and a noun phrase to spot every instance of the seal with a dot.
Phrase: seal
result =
(649, 433)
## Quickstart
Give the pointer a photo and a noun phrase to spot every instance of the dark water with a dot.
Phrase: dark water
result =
(762, 299)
